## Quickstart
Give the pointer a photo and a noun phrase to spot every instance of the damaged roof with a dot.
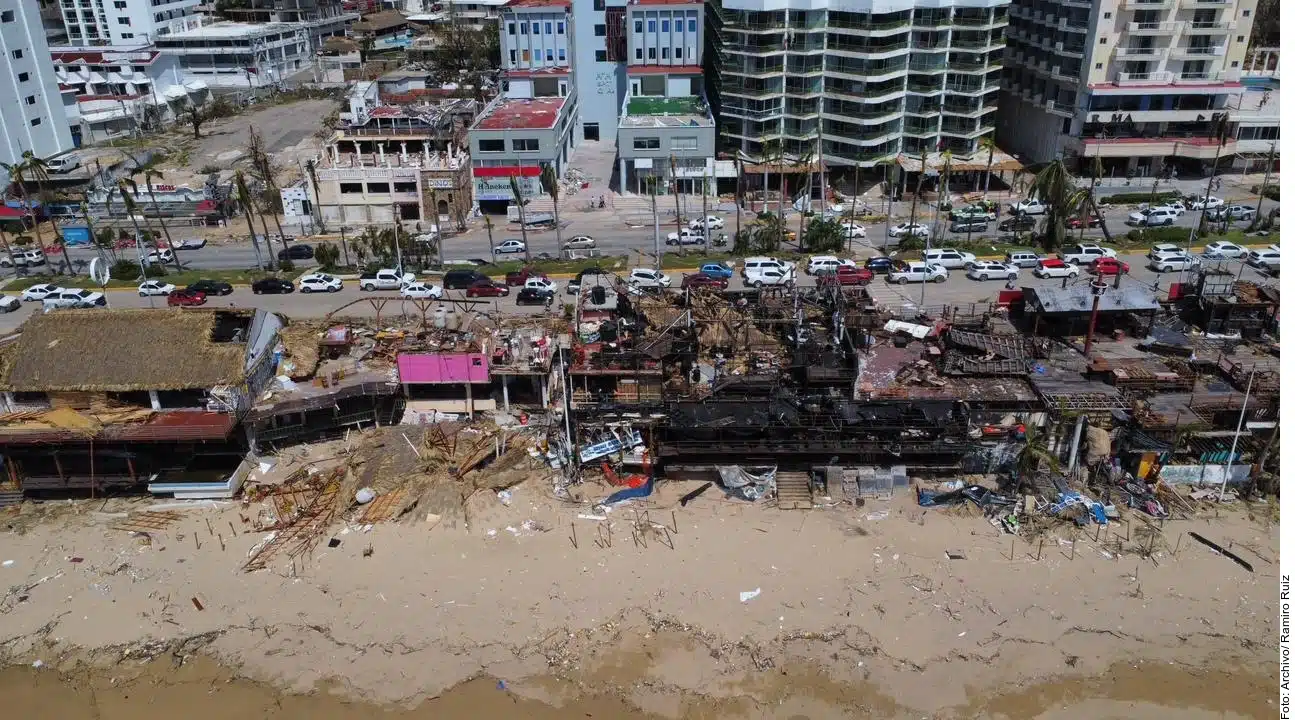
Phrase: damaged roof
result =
(1079, 298)
(120, 351)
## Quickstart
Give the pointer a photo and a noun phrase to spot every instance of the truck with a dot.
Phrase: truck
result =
(385, 279)
(533, 217)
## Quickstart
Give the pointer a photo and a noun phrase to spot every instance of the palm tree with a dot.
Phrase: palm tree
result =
(7, 247)
(1034, 456)
(490, 233)
(521, 215)
(674, 185)
(769, 150)
(245, 200)
(270, 199)
(917, 191)
(314, 187)
(987, 143)
(150, 173)
(1054, 185)
(892, 170)
(808, 187)
(549, 181)
(436, 217)
(34, 169)
(129, 190)
(741, 184)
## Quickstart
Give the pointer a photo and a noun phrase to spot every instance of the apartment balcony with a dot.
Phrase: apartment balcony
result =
(736, 66)
(801, 109)
(869, 52)
(976, 45)
(866, 118)
(971, 110)
(870, 29)
(1209, 28)
(803, 90)
(763, 49)
(983, 22)
(1077, 4)
(969, 88)
(965, 130)
(1065, 110)
(930, 45)
(925, 89)
(921, 129)
(1202, 52)
(1135, 53)
(1152, 78)
(940, 67)
(1200, 78)
(870, 138)
(738, 111)
(751, 91)
(1155, 28)
(1061, 48)
(926, 109)
(1203, 4)
(929, 23)
(1146, 4)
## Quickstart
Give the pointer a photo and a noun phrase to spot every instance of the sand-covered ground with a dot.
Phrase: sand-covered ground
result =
(854, 615)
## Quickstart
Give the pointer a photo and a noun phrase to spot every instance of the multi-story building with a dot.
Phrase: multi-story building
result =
(388, 162)
(599, 53)
(320, 18)
(32, 118)
(665, 129)
(241, 55)
(868, 80)
(1144, 85)
(126, 22)
(115, 91)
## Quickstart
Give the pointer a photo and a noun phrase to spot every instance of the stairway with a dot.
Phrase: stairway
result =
(793, 491)
(9, 495)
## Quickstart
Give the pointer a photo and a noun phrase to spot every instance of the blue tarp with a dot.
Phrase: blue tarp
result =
(642, 491)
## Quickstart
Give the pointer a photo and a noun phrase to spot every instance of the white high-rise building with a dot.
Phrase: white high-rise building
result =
(32, 116)
(126, 22)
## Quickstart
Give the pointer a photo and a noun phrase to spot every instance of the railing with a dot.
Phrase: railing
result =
(751, 114)
(1134, 52)
(930, 22)
(866, 49)
(1211, 27)
(868, 27)
(1146, 4)
(1200, 77)
(973, 20)
(1155, 27)
(1151, 78)
(1200, 51)
(928, 67)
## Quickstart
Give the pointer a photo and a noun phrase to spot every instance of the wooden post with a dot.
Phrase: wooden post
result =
(1040, 555)
(1013, 555)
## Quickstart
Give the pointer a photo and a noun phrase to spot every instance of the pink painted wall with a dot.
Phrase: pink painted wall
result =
(443, 368)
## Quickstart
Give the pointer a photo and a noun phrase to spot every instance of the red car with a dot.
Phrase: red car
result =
(521, 276)
(486, 288)
(846, 275)
(186, 298)
(1109, 266)
(698, 280)
(1075, 223)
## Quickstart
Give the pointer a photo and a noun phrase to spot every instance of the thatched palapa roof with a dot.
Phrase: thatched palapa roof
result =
(120, 351)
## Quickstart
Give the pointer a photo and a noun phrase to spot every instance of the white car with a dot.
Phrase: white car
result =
(1056, 268)
(579, 242)
(36, 293)
(761, 271)
(948, 258)
(1030, 206)
(510, 247)
(319, 282)
(385, 279)
(542, 284)
(647, 278)
(854, 230)
(1269, 258)
(826, 264)
(422, 291)
(1224, 249)
(1153, 217)
(159, 256)
(22, 258)
(72, 298)
(1164, 250)
(155, 287)
(710, 221)
(1175, 263)
(992, 270)
(913, 229)
(1206, 203)
(9, 303)
(1232, 212)
(687, 237)
(1085, 253)
(917, 272)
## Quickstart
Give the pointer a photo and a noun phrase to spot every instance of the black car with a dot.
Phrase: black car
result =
(880, 265)
(973, 226)
(533, 296)
(461, 279)
(1017, 222)
(271, 286)
(211, 287)
(297, 252)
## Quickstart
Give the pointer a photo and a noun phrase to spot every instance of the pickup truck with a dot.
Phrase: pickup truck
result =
(385, 279)
(1085, 253)
(519, 277)
(1030, 206)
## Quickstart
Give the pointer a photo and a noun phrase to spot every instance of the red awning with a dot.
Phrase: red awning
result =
(11, 213)
(507, 171)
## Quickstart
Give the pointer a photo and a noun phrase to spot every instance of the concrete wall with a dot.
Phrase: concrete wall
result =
(25, 35)
(705, 142)
(601, 85)
(665, 29)
(530, 39)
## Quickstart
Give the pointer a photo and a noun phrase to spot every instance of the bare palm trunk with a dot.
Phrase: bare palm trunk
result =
(251, 229)
(674, 186)
(526, 244)
(165, 231)
(436, 218)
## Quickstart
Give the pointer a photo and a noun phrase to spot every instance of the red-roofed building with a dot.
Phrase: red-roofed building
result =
(517, 138)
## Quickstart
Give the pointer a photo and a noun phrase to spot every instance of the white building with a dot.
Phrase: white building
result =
(114, 91)
(241, 55)
(31, 116)
(126, 22)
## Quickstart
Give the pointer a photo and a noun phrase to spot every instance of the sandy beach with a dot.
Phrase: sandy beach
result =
(884, 610)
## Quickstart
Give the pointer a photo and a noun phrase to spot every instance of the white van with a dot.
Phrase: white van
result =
(760, 271)
(66, 162)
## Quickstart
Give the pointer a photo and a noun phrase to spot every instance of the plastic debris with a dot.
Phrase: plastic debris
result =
(749, 595)
(364, 496)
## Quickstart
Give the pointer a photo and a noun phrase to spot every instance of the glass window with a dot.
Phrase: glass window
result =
(692, 25)
(638, 53)
(678, 26)
(562, 54)
(600, 5)
(678, 53)
(535, 28)
(651, 25)
(683, 143)
(562, 28)
(526, 145)
(512, 57)
(638, 26)
(526, 28)
(548, 55)
(526, 56)
(651, 53)
(600, 56)
(600, 30)
(647, 143)
(512, 28)
(548, 28)
(490, 145)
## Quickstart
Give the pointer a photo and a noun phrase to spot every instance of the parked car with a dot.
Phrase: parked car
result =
(879, 264)
(22, 258)
(917, 272)
(1269, 258)
(698, 280)
(972, 215)
(649, 278)
(1083, 221)
(826, 264)
(716, 270)
(297, 252)
(155, 287)
(1196, 202)
(1085, 253)
(579, 242)
(186, 298)
(319, 282)
(1030, 206)
(1153, 217)
(211, 287)
(422, 291)
(760, 271)
(948, 257)
(510, 247)
(272, 286)
(1231, 212)
(461, 279)
(519, 277)
(573, 285)
(1022, 258)
(532, 296)
(159, 256)
(74, 298)
(36, 293)
(385, 279)
(846, 275)
(687, 236)
(992, 270)
(485, 287)
(710, 221)
(1224, 249)
(1164, 250)
(1016, 222)
(907, 229)
(1108, 266)
(192, 244)
(540, 282)
(1175, 262)
(1056, 268)
(969, 226)
(854, 230)
(9, 303)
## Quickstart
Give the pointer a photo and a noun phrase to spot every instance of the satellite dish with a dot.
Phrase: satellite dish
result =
(99, 272)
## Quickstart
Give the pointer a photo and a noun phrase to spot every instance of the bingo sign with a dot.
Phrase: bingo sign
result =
(498, 188)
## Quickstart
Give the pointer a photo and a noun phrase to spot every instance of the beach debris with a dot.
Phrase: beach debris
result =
(196, 603)
(955, 554)
(334, 542)
(150, 521)
(38, 664)
(749, 595)
(879, 515)
(505, 497)
(694, 494)
(1225, 553)
(384, 508)
(364, 496)
(7, 563)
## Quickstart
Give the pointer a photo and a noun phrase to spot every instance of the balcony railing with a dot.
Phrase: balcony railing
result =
(1146, 4)
(1155, 28)
(1152, 78)
(1140, 53)
(1201, 51)
(1209, 28)
(863, 49)
(973, 20)
(1200, 77)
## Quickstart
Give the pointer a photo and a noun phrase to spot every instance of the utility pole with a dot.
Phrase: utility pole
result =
(1099, 287)
(705, 220)
(1237, 435)
(656, 223)
(1221, 136)
(1263, 189)
(939, 205)
(822, 169)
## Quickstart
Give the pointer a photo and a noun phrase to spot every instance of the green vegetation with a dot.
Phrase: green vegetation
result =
(1272, 192)
(552, 267)
(1137, 198)
(664, 106)
(179, 279)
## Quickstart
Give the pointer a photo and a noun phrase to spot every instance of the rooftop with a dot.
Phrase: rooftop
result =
(665, 2)
(223, 30)
(523, 4)
(643, 112)
(521, 114)
(121, 351)
(379, 21)
(97, 56)
(664, 70)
